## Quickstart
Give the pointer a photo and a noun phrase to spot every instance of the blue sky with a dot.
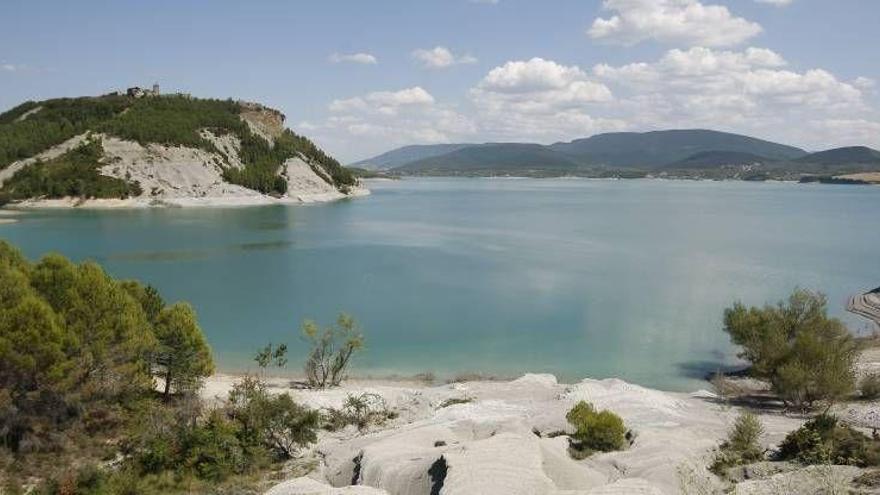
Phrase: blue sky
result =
(361, 77)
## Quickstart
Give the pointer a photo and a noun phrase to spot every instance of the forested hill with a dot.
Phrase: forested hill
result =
(246, 143)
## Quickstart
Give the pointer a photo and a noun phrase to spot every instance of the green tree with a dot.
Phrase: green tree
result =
(807, 356)
(147, 296)
(332, 350)
(33, 363)
(182, 353)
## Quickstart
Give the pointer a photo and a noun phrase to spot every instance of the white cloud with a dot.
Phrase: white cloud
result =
(387, 102)
(674, 21)
(778, 3)
(540, 100)
(441, 57)
(382, 120)
(866, 83)
(354, 58)
(8, 67)
(748, 91)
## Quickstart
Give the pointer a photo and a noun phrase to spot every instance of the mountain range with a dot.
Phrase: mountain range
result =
(687, 152)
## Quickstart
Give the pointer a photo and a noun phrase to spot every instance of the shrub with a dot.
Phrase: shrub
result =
(332, 350)
(360, 410)
(807, 356)
(273, 422)
(870, 387)
(823, 440)
(601, 431)
(742, 445)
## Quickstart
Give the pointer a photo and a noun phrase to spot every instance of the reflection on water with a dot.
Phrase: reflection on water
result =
(573, 277)
(194, 254)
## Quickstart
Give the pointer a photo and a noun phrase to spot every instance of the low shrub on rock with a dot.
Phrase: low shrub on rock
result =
(360, 410)
(601, 431)
(742, 445)
(824, 440)
(870, 387)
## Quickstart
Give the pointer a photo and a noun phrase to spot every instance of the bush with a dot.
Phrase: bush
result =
(870, 387)
(273, 422)
(601, 431)
(742, 445)
(807, 356)
(332, 350)
(823, 440)
(360, 410)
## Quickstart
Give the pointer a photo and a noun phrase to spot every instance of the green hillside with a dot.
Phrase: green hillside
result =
(656, 149)
(407, 154)
(853, 155)
(715, 159)
(495, 157)
(33, 127)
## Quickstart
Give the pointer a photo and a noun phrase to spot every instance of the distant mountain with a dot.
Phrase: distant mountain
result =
(496, 157)
(715, 159)
(406, 154)
(853, 155)
(648, 150)
(695, 148)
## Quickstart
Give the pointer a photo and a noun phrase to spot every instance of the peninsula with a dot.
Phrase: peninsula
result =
(142, 148)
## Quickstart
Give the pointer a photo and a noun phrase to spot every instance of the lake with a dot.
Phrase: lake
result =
(569, 276)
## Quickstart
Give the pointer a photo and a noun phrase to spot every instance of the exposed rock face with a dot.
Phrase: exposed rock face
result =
(263, 121)
(500, 442)
(174, 174)
(184, 176)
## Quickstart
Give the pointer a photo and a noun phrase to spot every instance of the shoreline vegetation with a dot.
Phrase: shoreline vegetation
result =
(107, 389)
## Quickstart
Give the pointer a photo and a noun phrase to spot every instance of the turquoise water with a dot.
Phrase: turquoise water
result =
(574, 277)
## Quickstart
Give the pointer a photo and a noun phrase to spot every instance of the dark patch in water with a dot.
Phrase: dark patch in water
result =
(701, 370)
(196, 254)
(260, 246)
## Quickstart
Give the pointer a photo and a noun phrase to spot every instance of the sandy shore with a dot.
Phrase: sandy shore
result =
(499, 439)
(183, 202)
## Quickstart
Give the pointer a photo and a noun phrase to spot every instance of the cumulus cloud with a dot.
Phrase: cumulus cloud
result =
(441, 57)
(538, 99)
(749, 91)
(354, 58)
(381, 120)
(673, 21)
(387, 102)
(862, 82)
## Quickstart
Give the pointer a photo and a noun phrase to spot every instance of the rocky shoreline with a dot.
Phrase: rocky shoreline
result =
(507, 437)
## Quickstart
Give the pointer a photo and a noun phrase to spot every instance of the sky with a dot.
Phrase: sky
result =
(361, 77)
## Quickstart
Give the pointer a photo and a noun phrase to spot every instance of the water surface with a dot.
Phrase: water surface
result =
(573, 277)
